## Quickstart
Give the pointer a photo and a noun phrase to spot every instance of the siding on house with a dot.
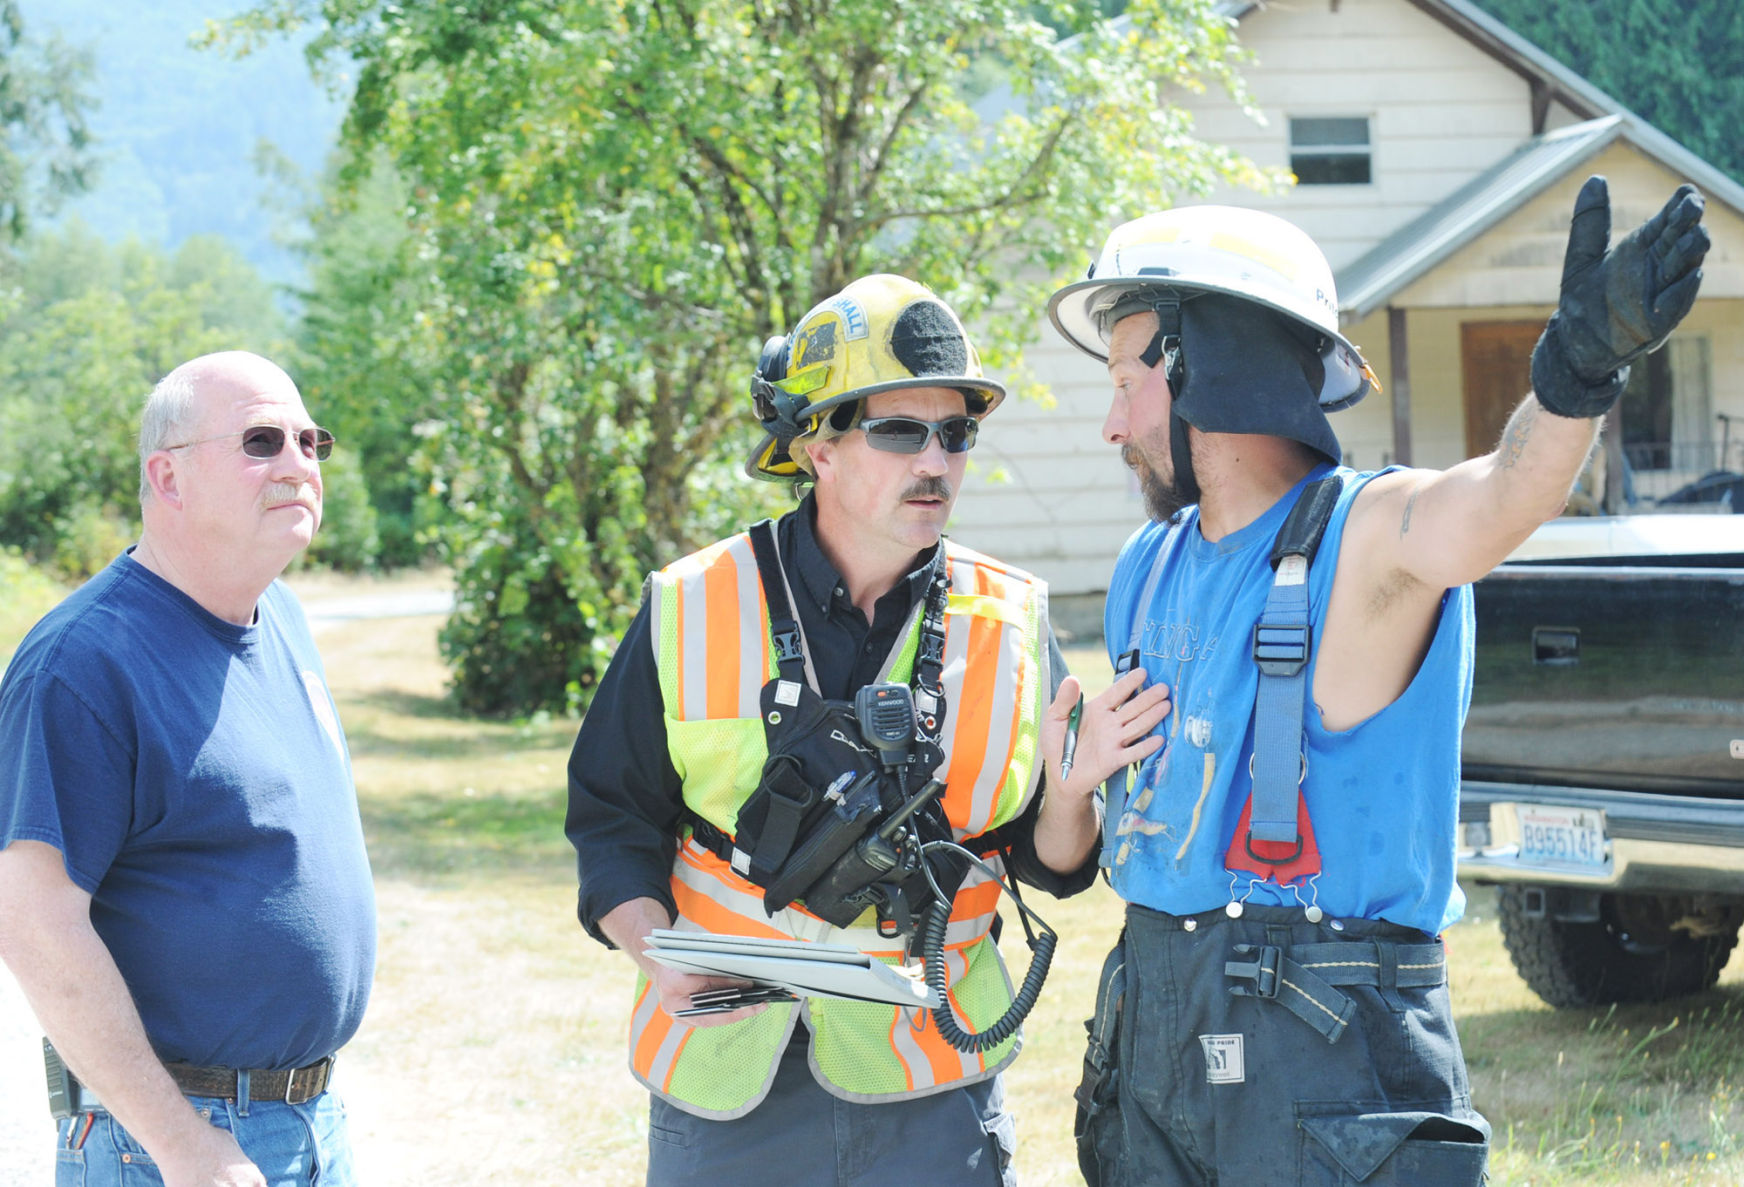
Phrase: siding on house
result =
(1440, 112)
(1047, 493)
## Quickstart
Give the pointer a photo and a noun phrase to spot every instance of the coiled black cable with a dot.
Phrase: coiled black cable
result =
(933, 951)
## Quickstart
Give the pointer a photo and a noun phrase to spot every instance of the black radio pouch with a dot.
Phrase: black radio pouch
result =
(822, 793)
(806, 833)
(815, 761)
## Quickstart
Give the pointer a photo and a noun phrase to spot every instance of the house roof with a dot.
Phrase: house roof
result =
(1421, 244)
(1367, 283)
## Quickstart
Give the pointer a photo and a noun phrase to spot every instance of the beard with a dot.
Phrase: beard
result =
(1162, 497)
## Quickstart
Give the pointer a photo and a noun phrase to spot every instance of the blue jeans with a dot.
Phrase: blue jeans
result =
(293, 1145)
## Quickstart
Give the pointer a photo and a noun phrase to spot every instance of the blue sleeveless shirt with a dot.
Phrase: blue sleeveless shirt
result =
(1382, 796)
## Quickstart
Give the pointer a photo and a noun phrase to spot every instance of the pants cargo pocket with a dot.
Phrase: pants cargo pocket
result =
(1001, 1133)
(1410, 1149)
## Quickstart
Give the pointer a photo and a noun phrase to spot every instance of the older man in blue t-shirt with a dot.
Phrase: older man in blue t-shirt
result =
(184, 893)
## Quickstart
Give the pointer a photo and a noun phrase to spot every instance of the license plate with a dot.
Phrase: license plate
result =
(1562, 836)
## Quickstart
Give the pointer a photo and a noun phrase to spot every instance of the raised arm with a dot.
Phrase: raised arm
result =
(1617, 303)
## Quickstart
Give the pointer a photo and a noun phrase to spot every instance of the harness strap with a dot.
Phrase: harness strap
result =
(1303, 977)
(1282, 644)
(784, 628)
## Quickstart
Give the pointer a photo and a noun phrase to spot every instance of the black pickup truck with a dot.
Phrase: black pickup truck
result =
(1603, 758)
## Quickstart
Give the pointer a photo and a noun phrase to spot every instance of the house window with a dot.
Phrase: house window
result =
(1671, 437)
(1330, 150)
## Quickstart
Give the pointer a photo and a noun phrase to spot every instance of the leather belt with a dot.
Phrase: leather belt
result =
(293, 1086)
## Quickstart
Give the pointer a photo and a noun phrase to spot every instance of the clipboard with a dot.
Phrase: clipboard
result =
(801, 968)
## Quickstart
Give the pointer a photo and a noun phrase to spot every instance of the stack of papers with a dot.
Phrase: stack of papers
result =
(798, 967)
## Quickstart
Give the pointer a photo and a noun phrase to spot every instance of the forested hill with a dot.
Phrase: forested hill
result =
(178, 128)
(1675, 63)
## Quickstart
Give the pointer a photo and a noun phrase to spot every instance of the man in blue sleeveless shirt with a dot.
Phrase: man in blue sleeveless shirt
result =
(184, 893)
(1277, 1009)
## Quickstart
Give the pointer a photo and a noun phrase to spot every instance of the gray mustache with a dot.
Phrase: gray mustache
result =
(286, 492)
(929, 488)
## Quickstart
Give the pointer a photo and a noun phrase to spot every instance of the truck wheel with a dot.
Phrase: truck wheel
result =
(1631, 953)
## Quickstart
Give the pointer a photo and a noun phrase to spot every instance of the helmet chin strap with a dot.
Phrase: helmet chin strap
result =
(1165, 348)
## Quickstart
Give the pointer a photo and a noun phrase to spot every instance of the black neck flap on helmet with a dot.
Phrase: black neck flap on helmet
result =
(1245, 369)
(1233, 366)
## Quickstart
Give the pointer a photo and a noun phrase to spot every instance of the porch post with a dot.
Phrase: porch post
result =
(1400, 382)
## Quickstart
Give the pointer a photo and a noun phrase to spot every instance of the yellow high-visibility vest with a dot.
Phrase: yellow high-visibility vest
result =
(710, 628)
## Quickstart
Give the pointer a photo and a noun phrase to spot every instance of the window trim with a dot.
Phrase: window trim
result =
(1365, 151)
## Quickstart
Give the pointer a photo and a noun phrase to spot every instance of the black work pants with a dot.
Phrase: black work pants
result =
(1213, 1088)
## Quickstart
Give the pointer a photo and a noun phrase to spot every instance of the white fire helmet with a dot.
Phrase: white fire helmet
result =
(1243, 253)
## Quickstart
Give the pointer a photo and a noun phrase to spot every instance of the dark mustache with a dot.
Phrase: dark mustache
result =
(928, 488)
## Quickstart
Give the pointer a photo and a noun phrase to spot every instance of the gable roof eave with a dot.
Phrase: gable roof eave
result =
(1426, 241)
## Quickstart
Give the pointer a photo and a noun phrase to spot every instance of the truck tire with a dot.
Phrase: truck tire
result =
(1630, 954)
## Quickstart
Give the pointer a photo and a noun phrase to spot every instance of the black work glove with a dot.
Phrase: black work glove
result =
(1619, 304)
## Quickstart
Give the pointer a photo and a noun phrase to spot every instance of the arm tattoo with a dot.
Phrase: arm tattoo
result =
(1405, 520)
(1514, 436)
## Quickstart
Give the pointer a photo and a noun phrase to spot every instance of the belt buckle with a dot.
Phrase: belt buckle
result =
(1268, 979)
(1264, 971)
(314, 1069)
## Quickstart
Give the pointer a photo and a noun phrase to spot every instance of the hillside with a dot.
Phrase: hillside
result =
(178, 128)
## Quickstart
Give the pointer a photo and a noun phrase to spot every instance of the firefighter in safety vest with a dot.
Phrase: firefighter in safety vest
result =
(872, 403)
(1288, 856)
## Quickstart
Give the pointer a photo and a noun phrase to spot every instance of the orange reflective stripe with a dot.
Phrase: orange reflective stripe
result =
(943, 1060)
(908, 1052)
(979, 899)
(707, 911)
(721, 591)
(657, 1024)
(973, 709)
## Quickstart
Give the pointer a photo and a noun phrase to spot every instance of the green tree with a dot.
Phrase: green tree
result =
(612, 204)
(365, 356)
(44, 141)
(85, 331)
(1673, 62)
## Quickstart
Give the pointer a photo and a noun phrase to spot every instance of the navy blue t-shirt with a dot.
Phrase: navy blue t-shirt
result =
(194, 777)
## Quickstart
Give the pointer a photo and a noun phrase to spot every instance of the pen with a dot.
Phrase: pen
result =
(1071, 744)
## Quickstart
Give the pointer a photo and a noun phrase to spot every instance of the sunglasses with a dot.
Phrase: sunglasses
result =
(265, 442)
(905, 434)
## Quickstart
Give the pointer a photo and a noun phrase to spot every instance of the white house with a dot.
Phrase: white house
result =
(1438, 156)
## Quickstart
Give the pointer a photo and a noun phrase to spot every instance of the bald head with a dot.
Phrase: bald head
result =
(181, 401)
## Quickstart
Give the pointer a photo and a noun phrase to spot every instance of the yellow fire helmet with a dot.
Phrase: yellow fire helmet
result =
(882, 333)
(1241, 253)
